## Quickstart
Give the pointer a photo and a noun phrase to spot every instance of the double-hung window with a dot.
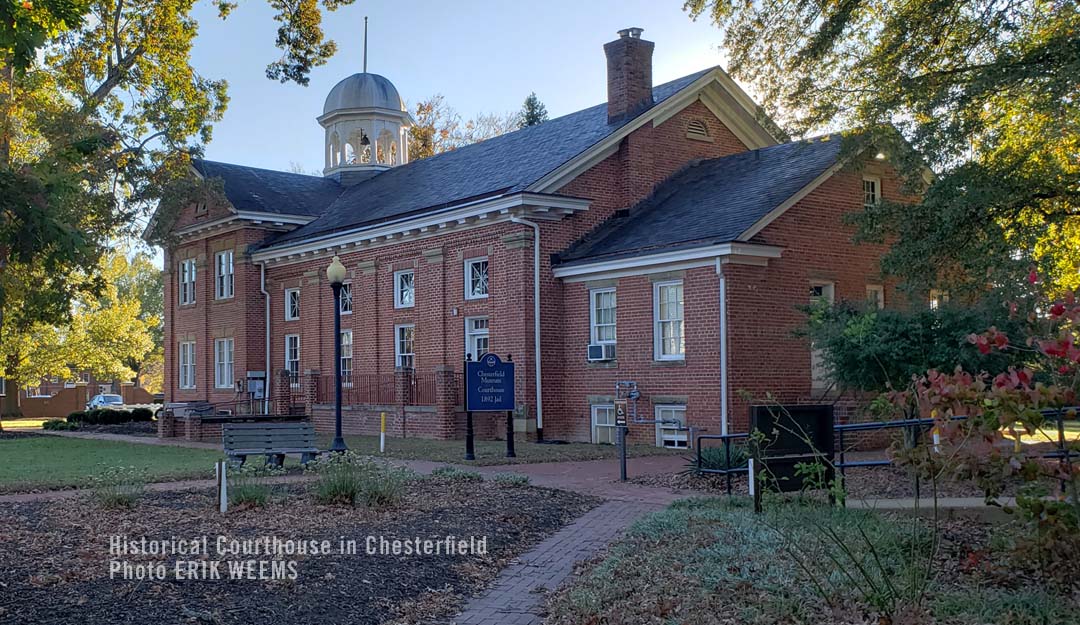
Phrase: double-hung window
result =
(405, 346)
(670, 426)
(871, 188)
(668, 331)
(875, 295)
(821, 294)
(476, 278)
(187, 281)
(603, 424)
(292, 358)
(346, 298)
(187, 365)
(223, 363)
(346, 355)
(404, 288)
(292, 304)
(223, 276)
(476, 336)
(602, 316)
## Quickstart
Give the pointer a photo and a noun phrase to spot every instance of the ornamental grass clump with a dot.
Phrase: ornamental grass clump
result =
(250, 486)
(118, 488)
(349, 478)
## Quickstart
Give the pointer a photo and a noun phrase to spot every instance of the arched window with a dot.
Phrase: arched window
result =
(382, 147)
(350, 154)
(393, 154)
(365, 155)
(697, 129)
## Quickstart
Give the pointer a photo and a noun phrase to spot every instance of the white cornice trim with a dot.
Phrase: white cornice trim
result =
(533, 205)
(739, 253)
(741, 106)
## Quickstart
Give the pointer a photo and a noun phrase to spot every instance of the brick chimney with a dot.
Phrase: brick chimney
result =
(629, 75)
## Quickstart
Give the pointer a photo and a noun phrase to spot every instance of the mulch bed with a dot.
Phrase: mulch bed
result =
(136, 428)
(11, 434)
(54, 566)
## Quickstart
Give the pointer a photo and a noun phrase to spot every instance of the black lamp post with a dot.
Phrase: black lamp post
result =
(336, 274)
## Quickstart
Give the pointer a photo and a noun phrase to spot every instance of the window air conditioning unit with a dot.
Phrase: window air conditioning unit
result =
(601, 352)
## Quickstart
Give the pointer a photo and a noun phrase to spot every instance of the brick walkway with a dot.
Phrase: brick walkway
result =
(518, 595)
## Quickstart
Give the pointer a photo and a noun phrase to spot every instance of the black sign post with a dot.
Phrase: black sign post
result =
(489, 387)
(621, 409)
(510, 420)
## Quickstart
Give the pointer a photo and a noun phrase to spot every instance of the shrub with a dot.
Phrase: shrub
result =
(249, 486)
(59, 425)
(141, 414)
(348, 478)
(454, 473)
(110, 416)
(76, 417)
(118, 487)
(510, 479)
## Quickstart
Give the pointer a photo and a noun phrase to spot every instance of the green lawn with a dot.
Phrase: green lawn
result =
(489, 452)
(43, 462)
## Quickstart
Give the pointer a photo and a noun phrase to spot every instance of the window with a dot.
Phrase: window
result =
(602, 316)
(404, 289)
(292, 358)
(224, 275)
(187, 364)
(603, 424)
(476, 278)
(476, 336)
(670, 429)
(875, 295)
(187, 281)
(404, 346)
(346, 299)
(938, 298)
(821, 294)
(871, 189)
(292, 304)
(668, 317)
(346, 353)
(200, 208)
(223, 363)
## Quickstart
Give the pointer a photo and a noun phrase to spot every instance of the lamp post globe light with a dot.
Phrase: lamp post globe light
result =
(336, 274)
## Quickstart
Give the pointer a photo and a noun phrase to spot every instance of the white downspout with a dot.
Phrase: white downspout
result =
(723, 350)
(266, 296)
(536, 323)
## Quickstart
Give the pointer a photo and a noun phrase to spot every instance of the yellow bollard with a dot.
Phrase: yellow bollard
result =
(382, 433)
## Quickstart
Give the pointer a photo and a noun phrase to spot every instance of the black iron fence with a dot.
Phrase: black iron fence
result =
(409, 388)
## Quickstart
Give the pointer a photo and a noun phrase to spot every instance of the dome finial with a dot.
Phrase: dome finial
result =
(365, 44)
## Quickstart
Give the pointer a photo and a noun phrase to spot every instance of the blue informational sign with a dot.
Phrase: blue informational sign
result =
(489, 384)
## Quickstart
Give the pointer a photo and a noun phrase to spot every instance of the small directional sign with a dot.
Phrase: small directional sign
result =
(489, 384)
(620, 412)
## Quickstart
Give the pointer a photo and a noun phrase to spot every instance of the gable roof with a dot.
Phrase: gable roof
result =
(711, 202)
(508, 163)
(250, 189)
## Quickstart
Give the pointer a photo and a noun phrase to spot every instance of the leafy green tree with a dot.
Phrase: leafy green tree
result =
(981, 91)
(533, 112)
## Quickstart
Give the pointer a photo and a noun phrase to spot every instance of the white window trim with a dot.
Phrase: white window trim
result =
(295, 383)
(397, 344)
(660, 427)
(658, 352)
(189, 364)
(469, 333)
(877, 189)
(880, 290)
(231, 362)
(288, 304)
(593, 338)
(186, 295)
(352, 303)
(345, 373)
(224, 289)
(397, 290)
(818, 377)
(593, 427)
(469, 262)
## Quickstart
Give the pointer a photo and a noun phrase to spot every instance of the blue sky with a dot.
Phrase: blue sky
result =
(482, 55)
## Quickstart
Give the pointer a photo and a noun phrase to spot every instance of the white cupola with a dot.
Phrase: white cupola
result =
(366, 126)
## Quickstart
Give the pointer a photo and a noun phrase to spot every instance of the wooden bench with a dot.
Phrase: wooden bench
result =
(272, 440)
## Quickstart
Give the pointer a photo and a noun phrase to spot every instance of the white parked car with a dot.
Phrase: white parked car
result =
(105, 401)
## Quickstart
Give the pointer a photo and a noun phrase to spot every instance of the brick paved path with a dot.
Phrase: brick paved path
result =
(517, 597)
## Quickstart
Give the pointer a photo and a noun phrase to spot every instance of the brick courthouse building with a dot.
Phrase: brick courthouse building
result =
(669, 233)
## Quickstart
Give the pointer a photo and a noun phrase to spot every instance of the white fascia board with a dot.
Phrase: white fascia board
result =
(479, 208)
(569, 170)
(274, 217)
(666, 261)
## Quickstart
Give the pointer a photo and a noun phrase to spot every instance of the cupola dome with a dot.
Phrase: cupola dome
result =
(363, 91)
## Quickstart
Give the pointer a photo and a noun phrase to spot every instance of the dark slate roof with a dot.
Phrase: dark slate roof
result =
(710, 202)
(269, 191)
(505, 164)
